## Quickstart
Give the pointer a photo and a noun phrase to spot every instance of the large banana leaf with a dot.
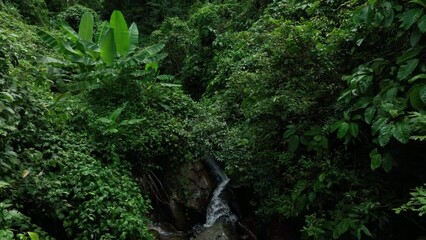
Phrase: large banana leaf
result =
(121, 32)
(108, 48)
(101, 31)
(134, 37)
(69, 32)
(85, 30)
(48, 39)
(146, 55)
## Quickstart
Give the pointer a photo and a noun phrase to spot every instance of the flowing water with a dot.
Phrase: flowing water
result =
(218, 208)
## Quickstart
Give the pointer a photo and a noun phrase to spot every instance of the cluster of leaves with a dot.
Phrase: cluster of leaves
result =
(287, 125)
(192, 42)
(389, 92)
(92, 63)
(33, 11)
(47, 167)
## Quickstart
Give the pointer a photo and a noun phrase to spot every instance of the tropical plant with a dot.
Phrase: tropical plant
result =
(91, 59)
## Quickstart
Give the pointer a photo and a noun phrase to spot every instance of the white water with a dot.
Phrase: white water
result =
(218, 208)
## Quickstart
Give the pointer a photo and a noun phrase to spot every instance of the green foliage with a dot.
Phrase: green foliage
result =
(286, 125)
(33, 11)
(92, 201)
(72, 15)
(387, 92)
(177, 36)
(47, 168)
(90, 64)
(417, 202)
(149, 14)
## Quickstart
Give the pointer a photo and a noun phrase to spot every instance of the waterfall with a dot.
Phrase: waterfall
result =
(218, 209)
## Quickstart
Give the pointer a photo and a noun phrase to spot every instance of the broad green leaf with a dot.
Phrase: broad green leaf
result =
(108, 50)
(151, 66)
(121, 32)
(134, 37)
(85, 30)
(343, 129)
(70, 50)
(117, 112)
(353, 129)
(415, 37)
(417, 77)
(378, 124)
(165, 77)
(293, 143)
(410, 17)
(365, 230)
(48, 39)
(408, 68)
(420, 2)
(33, 236)
(155, 58)
(365, 82)
(390, 94)
(388, 14)
(364, 102)
(385, 135)
(102, 31)
(415, 95)
(376, 159)
(322, 177)
(69, 31)
(413, 52)
(105, 120)
(153, 49)
(146, 55)
(335, 125)
(422, 93)
(387, 162)
(422, 24)
(401, 131)
(289, 132)
(369, 114)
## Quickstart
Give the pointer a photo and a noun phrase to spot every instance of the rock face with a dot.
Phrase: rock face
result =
(164, 231)
(197, 186)
(190, 190)
(219, 231)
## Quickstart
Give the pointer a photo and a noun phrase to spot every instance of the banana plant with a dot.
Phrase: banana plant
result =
(90, 58)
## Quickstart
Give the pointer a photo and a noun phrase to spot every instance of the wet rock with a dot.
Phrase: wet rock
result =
(219, 231)
(165, 231)
(197, 186)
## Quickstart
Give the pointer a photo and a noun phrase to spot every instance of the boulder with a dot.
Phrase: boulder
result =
(197, 186)
(164, 231)
(191, 187)
(219, 231)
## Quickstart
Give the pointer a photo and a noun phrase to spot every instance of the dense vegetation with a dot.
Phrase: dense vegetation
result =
(317, 108)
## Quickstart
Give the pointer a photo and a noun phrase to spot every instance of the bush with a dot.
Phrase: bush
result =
(33, 11)
(72, 15)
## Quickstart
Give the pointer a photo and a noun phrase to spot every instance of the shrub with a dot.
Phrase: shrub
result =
(72, 15)
(33, 11)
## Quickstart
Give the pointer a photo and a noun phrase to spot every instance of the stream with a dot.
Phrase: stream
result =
(218, 208)
(218, 211)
